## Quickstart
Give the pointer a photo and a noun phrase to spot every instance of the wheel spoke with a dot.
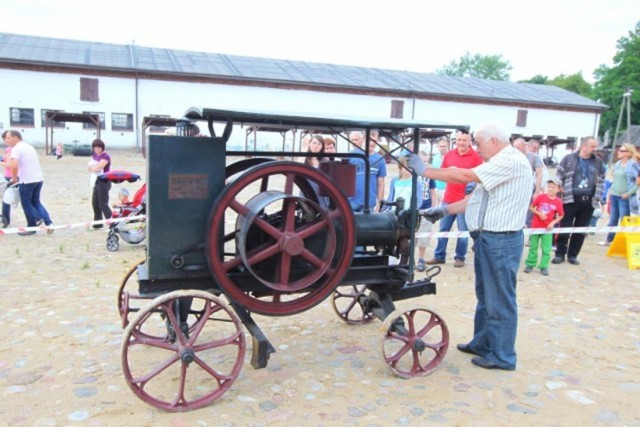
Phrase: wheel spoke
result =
(232, 263)
(411, 323)
(220, 378)
(347, 310)
(236, 261)
(154, 342)
(284, 269)
(233, 339)
(433, 321)
(312, 259)
(180, 398)
(143, 380)
(199, 325)
(312, 228)
(259, 256)
(264, 184)
(267, 228)
(239, 207)
(394, 358)
(288, 183)
(175, 323)
(289, 212)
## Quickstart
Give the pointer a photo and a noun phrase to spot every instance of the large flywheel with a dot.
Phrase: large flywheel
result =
(281, 238)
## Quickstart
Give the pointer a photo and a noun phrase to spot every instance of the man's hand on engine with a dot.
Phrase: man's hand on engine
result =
(415, 162)
(434, 214)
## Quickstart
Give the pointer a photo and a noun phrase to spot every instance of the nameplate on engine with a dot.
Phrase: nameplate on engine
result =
(188, 186)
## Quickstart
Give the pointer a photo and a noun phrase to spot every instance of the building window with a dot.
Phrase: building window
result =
(521, 120)
(159, 129)
(121, 121)
(89, 90)
(54, 123)
(21, 116)
(91, 125)
(397, 109)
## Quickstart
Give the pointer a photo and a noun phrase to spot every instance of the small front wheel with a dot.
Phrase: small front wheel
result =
(112, 243)
(414, 342)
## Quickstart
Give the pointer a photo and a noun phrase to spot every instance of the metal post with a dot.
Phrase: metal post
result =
(628, 95)
(615, 135)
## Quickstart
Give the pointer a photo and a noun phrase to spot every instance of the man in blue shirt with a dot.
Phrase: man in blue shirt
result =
(377, 172)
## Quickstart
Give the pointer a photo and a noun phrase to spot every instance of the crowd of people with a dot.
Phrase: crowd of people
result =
(575, 197)
(22, 170)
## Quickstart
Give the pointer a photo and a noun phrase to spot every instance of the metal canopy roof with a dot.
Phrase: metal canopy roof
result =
(60, 117)
(307, 121)
(16, 48)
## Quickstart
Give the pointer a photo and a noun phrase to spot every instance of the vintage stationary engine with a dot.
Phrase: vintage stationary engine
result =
(274, 238)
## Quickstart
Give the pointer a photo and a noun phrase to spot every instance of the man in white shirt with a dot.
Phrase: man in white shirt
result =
(25, 165)
(495, 215)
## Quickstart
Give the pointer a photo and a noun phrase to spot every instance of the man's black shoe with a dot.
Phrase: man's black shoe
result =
(466, 349)
(573, 260)
(484, 363)
(557, 260)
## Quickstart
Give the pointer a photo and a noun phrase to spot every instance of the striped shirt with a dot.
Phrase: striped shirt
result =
(505, 183)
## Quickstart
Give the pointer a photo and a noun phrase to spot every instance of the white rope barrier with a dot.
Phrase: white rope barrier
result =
(528, 231)
(87, 224)
(447, 234)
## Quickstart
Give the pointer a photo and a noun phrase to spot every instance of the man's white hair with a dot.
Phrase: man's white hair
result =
(491, 130)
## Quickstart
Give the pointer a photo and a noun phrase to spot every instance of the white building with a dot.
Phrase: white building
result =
(125, 83)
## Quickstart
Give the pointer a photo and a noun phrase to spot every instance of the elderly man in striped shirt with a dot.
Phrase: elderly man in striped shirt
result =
(495, 215)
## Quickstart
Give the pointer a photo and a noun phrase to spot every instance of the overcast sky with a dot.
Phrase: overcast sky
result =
(537, 37)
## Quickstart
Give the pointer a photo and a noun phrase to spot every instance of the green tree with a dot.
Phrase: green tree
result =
(492, 67)
(613, 82)
(537, 79)
(574, 83)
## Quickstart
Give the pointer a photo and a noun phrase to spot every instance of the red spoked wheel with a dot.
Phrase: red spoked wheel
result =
(270, 223)
(414, 342)
(346, 304)
(183, 351)
(126, 296)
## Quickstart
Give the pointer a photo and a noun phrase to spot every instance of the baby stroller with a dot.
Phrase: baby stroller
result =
(8, 195)
(131, 231)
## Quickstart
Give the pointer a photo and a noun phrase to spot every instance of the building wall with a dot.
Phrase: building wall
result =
(540, 121)
(59, 91)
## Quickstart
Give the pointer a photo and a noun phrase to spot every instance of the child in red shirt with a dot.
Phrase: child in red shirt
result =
(547, 211)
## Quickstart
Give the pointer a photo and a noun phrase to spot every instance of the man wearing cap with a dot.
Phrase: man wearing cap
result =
(547, 211)
(582, 177)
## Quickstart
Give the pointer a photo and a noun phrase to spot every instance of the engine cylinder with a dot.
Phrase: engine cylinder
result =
(377, 229)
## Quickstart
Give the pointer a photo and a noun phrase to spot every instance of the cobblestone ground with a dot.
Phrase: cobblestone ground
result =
(60, 363)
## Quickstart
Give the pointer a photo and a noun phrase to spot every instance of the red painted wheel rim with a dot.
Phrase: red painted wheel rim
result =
(398, 350)
(280, 302)
(346, 306)
(153, 364)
